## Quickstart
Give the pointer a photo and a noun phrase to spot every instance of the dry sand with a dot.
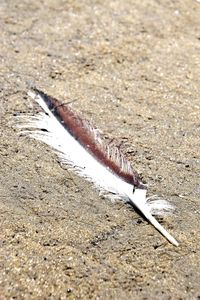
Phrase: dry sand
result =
(133, 68)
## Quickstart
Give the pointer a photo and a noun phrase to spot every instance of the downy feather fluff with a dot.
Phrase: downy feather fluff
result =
(79, 145)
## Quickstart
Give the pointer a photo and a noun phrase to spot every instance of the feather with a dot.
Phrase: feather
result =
(79, 145)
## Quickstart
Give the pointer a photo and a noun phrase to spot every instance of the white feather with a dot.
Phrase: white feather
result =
(71, 152)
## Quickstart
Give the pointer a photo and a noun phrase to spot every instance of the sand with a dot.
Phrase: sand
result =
(133, 68)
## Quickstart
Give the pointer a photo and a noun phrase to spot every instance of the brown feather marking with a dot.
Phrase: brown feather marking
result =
(88, 137)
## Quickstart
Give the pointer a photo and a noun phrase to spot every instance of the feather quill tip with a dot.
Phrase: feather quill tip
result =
(139, 200)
